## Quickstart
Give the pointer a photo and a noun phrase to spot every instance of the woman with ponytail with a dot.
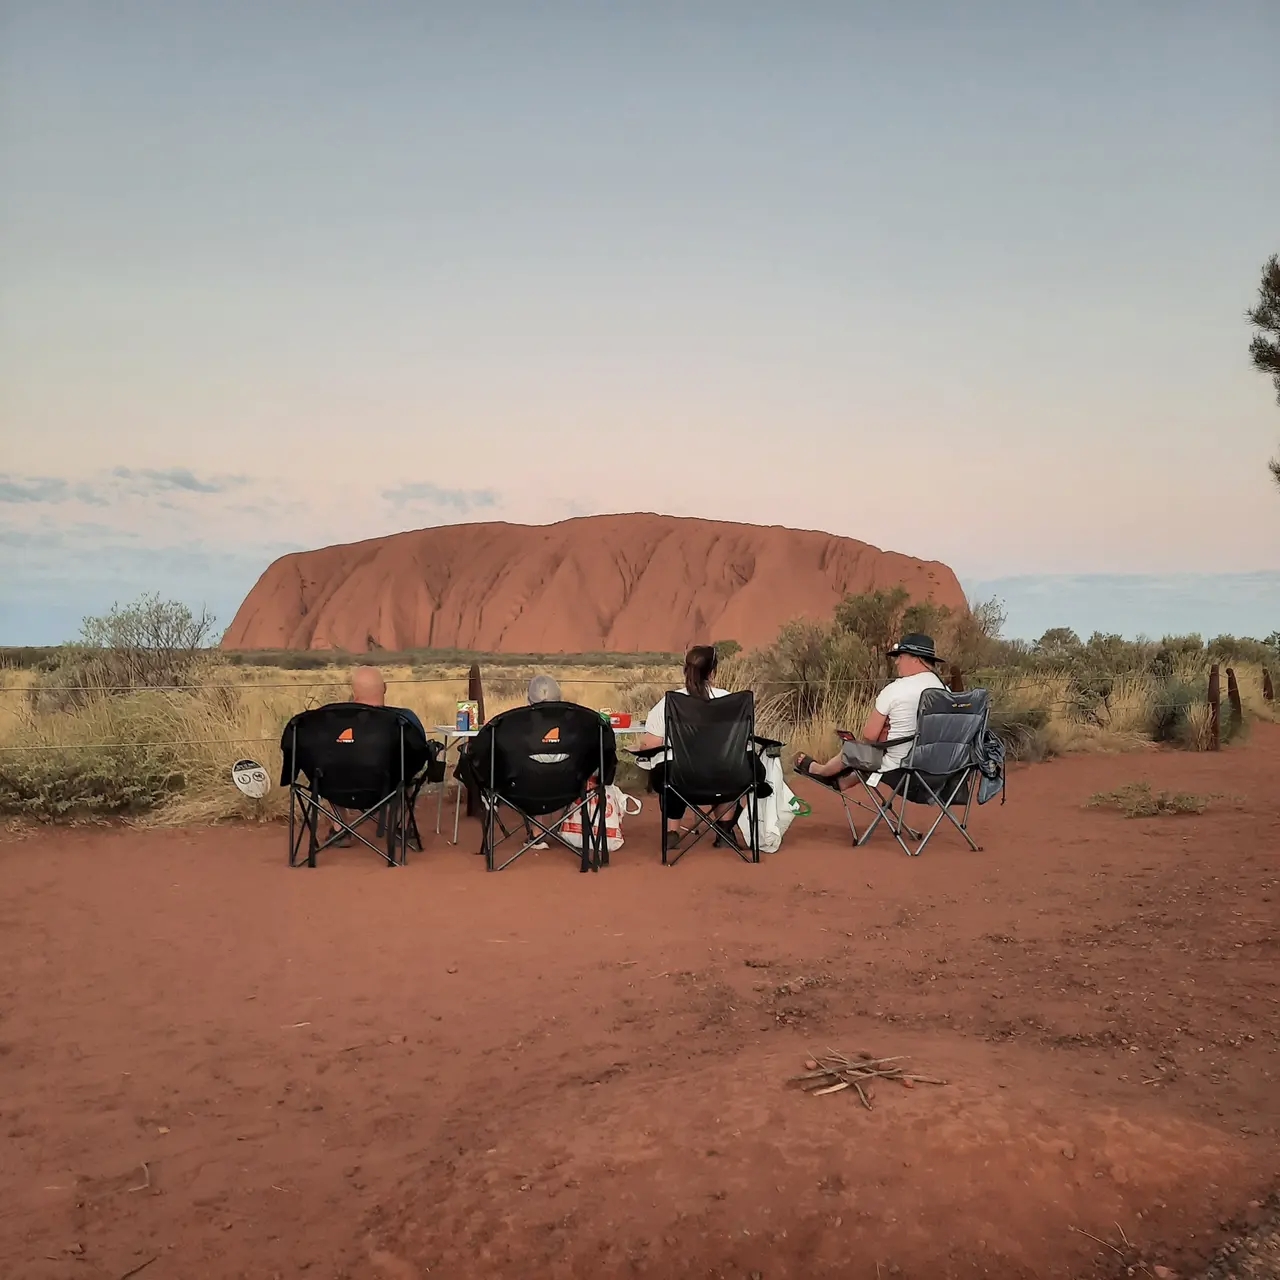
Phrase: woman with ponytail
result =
(699, 671)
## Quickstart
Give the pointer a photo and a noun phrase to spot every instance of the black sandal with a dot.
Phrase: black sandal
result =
(802, 767)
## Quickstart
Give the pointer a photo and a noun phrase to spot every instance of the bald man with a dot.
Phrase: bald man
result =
(369, 688)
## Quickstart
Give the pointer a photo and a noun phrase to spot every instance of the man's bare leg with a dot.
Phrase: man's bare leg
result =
(830, 769)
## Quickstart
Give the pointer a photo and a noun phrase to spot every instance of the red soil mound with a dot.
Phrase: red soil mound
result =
(626, 583)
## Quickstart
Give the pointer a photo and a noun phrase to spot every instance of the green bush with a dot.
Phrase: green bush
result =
(810, 666)
(1171, 713)
(51, 785)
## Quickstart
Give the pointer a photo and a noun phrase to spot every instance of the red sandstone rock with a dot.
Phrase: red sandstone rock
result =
(625, 583)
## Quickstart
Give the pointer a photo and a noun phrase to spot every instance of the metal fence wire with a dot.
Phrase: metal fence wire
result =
(997, 685)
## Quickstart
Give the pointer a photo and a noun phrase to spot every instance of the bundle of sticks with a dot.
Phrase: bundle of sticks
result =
(832, 1072)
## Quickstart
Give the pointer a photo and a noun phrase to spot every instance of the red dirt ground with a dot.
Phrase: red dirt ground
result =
(364, 1072)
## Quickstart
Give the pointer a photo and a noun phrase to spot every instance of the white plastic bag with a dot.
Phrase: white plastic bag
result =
(616, 803)
(776, 812)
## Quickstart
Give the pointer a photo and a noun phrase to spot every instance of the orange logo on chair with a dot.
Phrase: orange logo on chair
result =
(346, 736)
(551, 735)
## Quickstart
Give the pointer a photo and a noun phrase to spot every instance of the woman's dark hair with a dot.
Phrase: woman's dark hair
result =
(699, 667)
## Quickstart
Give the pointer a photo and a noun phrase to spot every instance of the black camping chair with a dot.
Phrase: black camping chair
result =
(942, 769)
(353, 756)
(712, 759)
(538, 760)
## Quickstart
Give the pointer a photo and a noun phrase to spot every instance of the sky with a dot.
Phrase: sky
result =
(962, 280)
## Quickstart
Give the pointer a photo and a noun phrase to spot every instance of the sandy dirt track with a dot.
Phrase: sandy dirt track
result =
(211, 1065)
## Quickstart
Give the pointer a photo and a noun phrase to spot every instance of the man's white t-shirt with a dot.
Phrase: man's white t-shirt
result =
(899, 701)
(656, 722)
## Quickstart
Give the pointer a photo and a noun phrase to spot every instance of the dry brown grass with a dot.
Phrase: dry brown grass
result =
(183, 742)
(195, 735)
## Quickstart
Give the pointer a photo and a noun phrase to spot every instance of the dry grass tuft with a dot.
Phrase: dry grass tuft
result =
(1137, 800)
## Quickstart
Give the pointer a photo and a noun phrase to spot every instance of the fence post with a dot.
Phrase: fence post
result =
(475, 693)
(1268, 689)
(955, 679)
(1215, 708)
(1236, 723)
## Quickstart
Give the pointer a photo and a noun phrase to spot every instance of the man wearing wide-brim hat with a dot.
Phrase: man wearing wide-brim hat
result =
(894, 718)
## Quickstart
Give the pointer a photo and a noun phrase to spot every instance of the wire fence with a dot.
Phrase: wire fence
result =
(1036, 682)
(168, 742)
(994, 682)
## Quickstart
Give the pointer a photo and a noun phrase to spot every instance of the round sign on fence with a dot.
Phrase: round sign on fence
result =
(250, 778)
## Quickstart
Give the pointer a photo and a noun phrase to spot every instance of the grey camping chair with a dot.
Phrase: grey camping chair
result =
(942, 770)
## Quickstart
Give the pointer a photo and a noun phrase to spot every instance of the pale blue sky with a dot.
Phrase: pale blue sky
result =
(964, 280)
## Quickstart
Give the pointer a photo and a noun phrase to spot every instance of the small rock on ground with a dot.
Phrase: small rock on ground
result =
(1252, 1256)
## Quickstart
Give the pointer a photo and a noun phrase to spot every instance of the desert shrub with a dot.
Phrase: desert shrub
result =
(809, 667)
(151, 643)
(1241, 650)
(1057, 645)
(971, 640)
(1021, 729)
(726, 649)
(1172, 717)
(115, 781)
(1137, 800)
(876, 619)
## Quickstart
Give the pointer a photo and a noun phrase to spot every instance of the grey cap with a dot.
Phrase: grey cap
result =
(543, 689)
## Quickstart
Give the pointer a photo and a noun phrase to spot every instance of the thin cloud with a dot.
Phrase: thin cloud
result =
(456, 501)
(25, 539)
(104, 488)
(150, 480)
(33, 489)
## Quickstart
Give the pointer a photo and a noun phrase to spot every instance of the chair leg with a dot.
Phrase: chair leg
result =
(878, 805)
(313, 839)
(944, 812)
(406, 821)
(892, 819)
(589, 836)
(848, 813)
(662, 819)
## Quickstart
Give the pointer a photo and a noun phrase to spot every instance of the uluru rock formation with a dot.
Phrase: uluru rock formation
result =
(622, 583)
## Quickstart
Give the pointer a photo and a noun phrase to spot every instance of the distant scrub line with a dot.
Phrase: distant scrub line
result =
(177, 712)
(49, 657)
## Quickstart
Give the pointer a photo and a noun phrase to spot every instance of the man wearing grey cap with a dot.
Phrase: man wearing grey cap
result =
(543, 689)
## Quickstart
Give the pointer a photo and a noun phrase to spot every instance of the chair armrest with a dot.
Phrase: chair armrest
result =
(767, 742)
(643, 753)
